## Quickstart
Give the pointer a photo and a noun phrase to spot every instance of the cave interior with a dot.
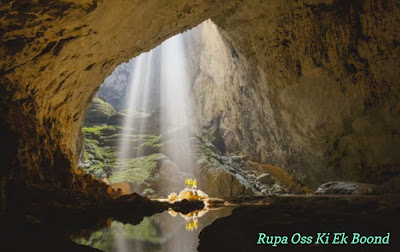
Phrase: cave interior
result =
(288, 111)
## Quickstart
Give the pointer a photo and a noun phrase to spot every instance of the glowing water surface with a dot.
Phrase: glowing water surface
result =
(167, 231)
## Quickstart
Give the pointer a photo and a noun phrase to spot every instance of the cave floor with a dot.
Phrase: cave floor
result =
(232, 228)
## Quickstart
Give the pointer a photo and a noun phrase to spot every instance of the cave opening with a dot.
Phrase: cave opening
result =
(294, 121)
(141, 137)
(139, 129)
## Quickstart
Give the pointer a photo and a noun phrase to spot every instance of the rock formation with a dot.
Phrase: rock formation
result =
(314, 91)
(316, 88)
(99, 112)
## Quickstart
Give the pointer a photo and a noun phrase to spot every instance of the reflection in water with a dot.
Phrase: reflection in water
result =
(192, 218)
(167, 231)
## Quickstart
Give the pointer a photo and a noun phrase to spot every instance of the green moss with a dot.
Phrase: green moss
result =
(136, 170)
(146, 231)
(209, 157)
(152, 141)
(99, 112)
(99, 129)
(208, 162)
(210, 137)
(98, 155)
(206, 147)
(100, 152)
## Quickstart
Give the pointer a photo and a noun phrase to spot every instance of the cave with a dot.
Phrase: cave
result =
(296, 129)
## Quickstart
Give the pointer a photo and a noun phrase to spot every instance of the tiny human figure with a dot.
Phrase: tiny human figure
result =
(196, 223)
(187, 182)
(195, 184)
(192, 225)
(190, 182)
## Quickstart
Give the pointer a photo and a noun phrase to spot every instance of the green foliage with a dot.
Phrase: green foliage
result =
(100, 152)
(208, 158)
(96, 153)
(210, 136)
(152, 141)
(136, 170)
(146, 231)
(96, 131)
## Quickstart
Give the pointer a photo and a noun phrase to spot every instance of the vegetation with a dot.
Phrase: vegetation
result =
(208, 158)
(138, 170)
(100, 155)
(146, 232)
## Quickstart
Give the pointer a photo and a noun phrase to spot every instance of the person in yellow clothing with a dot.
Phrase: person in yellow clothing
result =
(187, 182)
(195, 184)
(190, 183)
(196, 223)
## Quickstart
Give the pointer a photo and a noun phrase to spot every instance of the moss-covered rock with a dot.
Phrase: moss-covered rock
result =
(99, 112)
(136, 170)
(148, 123)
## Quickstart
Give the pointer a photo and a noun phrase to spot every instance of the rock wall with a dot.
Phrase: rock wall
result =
(309, 86)
(318, 94)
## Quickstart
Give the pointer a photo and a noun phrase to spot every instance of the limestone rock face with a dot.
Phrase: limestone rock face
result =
(308, 86)
(311, 86)
(221, 183)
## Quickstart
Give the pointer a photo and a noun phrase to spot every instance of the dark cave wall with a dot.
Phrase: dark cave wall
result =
(318, 95)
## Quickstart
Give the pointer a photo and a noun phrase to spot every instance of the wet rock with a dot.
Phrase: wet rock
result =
(187, 206)
(190, 194)
(172, 197)
(346, 188)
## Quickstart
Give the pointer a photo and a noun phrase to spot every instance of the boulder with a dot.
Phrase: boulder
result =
(173, 197)
(124, 186)
(99, 112)
(189, 194)
(346, 188)
(220, 182)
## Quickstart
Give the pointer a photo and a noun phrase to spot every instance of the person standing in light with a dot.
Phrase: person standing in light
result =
(190, 183)
(195, 184)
